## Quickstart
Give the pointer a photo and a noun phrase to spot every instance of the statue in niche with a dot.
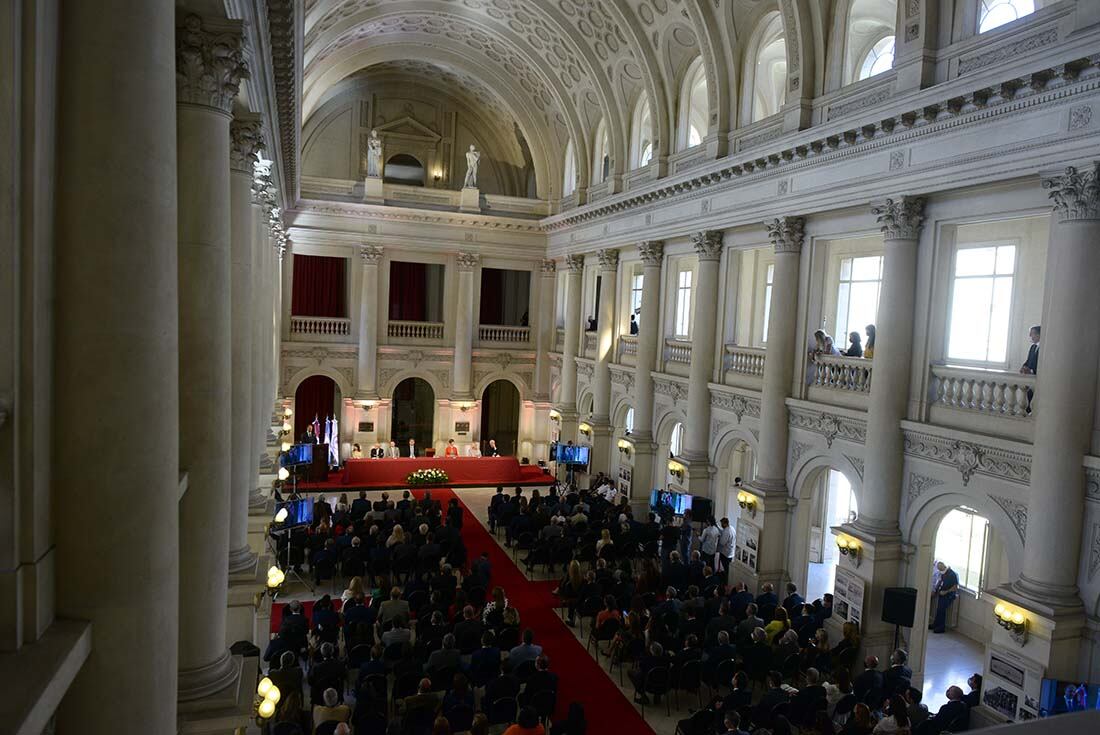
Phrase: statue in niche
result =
(374, 154)
(472, 160)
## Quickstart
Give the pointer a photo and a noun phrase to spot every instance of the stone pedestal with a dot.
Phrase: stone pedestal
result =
(373, 193)
(470, 200)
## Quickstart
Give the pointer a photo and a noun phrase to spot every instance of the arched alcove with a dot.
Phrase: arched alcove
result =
(316, 398)
(828, 495)
(403, 169)
(500, 416)
(413, 414)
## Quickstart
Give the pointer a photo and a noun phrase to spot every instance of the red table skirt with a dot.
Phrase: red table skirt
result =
(462, 471)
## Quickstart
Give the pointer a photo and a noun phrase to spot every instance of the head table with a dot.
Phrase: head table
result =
(461, 471)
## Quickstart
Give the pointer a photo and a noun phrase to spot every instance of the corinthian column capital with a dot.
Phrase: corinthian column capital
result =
(652, 252)
(468, 261)
(609, 259)
(900, 218)
(549, 267)
(209, 62)
(708, 244)
(246, 140)
(786, 234)
(574, 263)
(1076, 194)
(370, 253)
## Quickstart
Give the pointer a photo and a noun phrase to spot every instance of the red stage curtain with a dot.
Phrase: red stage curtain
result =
(315, 398)
(408, 282)
(492, 293)
(320, 287)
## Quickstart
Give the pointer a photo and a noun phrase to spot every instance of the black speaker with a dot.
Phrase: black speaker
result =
(899, 605)
(702, 509)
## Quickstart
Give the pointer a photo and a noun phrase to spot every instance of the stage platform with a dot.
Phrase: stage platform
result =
(387, 474)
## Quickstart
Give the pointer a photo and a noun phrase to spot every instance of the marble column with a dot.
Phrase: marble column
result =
(210, 66)
(884, 451)
(567, 404)
(1064, 392)
(368, 322)
(246, 139)
(601, 374)
(464, 325)
(544, 345)
(696, 454)
(649, 338)
(114, 313)
(770, 483)
(261, 332)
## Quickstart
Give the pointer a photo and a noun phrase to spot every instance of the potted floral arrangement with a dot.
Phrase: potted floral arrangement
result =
(427, 477)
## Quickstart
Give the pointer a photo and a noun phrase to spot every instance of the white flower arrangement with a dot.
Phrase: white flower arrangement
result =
(427, 477)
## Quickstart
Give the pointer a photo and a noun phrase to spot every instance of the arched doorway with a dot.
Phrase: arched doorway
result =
(316, 399)
(832, 502)
(413, 413)
(500, 416)
(404, 169)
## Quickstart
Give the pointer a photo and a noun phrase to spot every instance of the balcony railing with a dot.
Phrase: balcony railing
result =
(678, 351)
(745, 360)
(843, 373)
(989, 392)
(415, 330)
(559, 339)
(628, 345)
(320, 328)
(502, 333)
(589, 344)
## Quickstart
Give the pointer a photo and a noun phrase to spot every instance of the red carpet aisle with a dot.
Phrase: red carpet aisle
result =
(580, 678)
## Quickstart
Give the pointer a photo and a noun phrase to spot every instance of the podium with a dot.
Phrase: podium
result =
(317, 470)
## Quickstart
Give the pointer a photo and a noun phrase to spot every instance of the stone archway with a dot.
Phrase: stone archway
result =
(413, 414)
(316, 398)
(500, 417)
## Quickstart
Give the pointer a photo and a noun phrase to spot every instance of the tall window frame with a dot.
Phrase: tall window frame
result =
(628, 421)
(637, 284)
(601, 154)
(769, 69)
(569, 170)
(641, 134)
(878, 59)
(691, 125)
(983, 294)
(682, 317)
(769, 278)
(996, 13)
(962, 543)
(859, 276)
(676, 439)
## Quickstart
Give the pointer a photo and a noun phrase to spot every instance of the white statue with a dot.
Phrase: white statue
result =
(472, 160)
(374, 154)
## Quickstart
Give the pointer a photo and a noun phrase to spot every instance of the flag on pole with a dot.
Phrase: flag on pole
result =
(328, 431)
(334, 445)
(316, 426)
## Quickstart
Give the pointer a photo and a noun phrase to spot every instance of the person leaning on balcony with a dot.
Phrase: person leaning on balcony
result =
(869, 348)
(855, 346)
(830, 348)
(1031, 364)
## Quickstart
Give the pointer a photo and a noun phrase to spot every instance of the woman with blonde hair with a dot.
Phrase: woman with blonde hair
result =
(605, 540)
(354, 590)
(397, 536)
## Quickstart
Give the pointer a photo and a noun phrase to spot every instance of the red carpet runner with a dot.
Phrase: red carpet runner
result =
(581, 679)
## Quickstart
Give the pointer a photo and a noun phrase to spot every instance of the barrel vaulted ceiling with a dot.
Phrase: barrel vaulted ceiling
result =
(558, 67)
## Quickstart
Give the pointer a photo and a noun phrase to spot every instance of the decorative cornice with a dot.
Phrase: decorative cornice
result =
(652, 252)
(360, 212)
(623, 377)
(969, 458)
(708, 244)
(371, 254)
(900, 218)
(829, 425)
(609, 259)
(265, 194)
(468, 261)
(671, 388)
(786, 234)
(575, 263)
(246, 140)
(209, 62)
(1076, 194)
(284, 59)
(548, 267)
(738, 404)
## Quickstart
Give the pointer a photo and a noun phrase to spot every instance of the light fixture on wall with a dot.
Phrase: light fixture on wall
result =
(677, 470)
(625, 447)
(267, 696)
(747, 501)
(437, 175)
(288, 412)
(465, 406)
(849, 546)
(585, 428)
(555, 415)
(368, 405)
(284, 474)
(1014, 621)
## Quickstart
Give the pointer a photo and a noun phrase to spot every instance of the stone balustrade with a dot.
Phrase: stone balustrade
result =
(415, 330)
(559, 339)
(503, 333)
(744, 360)
(589, 344)
(678, 351)
(628, 345)
(989, 392)
(320, 328)
(843, 373)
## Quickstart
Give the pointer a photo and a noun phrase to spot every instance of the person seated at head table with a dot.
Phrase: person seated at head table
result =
(473, 450)
(451, 450)
(356, 451)
(377, 452)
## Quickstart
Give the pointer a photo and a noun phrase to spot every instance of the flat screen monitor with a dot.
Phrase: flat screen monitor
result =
(299, 512)
(676, 502)
(297, 454)
(1057, 697)
(570, 454)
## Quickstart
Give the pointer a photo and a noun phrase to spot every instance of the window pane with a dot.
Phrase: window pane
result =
(975, 261)
(998, 320)
(846, 269)
(629, 420)
(866, 269)
(767, 309)
(770, 275)
(970, 307)
(842, 300)
(960, 543)
(862, 309)
(1006, 260)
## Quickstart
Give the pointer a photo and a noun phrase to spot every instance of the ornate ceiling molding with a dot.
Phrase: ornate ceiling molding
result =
(284, 63)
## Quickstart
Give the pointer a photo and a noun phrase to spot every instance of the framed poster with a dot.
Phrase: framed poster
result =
(848, 596)
(747, 544)
(367, 426)
(462, 427)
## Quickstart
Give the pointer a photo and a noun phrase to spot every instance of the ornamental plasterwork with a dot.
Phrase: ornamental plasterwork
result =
(371, 254)
(209, 62)
(829, 425)
(671, 388)
(707, 244)
(1000, 54)
(736, 403)
(918, 485)
(857, 462)
(548, 267)
(870, 99)
(555, 361)
(379, 212)
(246, 140)
(1092, 483)
(1076, 193)
(575, 263)
(1094, 551)
(1016, 512)
(652, 252)
(468, 261)
(609, 259)
(717, 426)
(320, 354)
(969, 458)
(900, 218)
(786, 234)
(797, 450)
(624, 378)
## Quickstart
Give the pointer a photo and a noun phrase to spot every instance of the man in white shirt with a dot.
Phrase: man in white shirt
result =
(392, 451)
(607, 491)
(725, 545)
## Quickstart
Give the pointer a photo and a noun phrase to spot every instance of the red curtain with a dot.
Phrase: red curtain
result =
(492, 291)
(408, 284)
(315, 398)
(320, 287)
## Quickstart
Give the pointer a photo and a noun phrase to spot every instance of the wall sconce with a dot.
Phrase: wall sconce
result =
(747, 502)
(625, 447)
(676, 470)
(275, 579)
(555, 415)
(286, 427)
(288, 412)
(284, 474)
(585, 428)
(368, 405)
(1013, 621)
(437, 175)
(267, 696)
(850, 547)
(285, 446)
(465, 406)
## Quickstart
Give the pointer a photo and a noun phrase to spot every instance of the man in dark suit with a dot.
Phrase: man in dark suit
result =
(1031, 364)
(722, 621)
(793, 601)
(773, 696)
(288, 677)
(946, 592)
(330, 671)
(447, 657)
(809, 695)
(377, 452)
(739, 600)
(309, 437)
(412, 448)
(950, 715)
(360, 506)
(869, 682)
(899, 674)
(543, 680)
(491, 450)
(654, 658)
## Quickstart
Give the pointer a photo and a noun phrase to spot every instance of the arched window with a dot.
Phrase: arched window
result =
(676, 443)
(769, 83)
(628, 425)
(879, 59)
(691, 126)
(601, 158)
(869, 39)
(641, 134)
(569, 179)
(995, 13)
